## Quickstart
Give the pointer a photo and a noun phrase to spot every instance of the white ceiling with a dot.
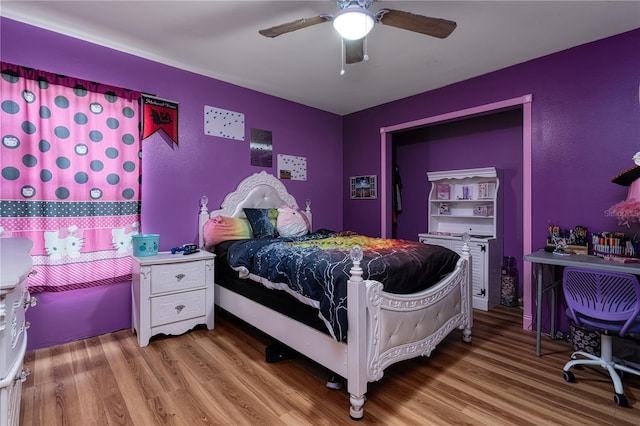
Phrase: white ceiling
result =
(220, 39)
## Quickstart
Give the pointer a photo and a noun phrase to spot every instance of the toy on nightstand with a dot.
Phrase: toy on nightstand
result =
(185, 249)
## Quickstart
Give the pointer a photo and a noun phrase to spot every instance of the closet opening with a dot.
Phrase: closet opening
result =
(496, 134)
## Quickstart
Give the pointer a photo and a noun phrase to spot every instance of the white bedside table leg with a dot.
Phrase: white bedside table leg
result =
(209, 279)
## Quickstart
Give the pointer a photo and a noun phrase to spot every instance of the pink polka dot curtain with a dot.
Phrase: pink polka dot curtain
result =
(69, 176)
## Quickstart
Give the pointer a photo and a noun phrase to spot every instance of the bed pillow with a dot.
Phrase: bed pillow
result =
(222, 228)
(291, 222)
(263, 222)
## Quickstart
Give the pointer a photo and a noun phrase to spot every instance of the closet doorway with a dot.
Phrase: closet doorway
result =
(398, 132)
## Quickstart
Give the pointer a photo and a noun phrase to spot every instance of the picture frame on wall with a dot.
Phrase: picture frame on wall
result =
(364, 187)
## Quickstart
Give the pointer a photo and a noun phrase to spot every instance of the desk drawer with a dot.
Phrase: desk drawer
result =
(177, 307)
(177, 276)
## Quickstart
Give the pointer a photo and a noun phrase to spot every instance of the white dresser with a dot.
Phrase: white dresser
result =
(15, 267)
(469, 200)
(171, 293)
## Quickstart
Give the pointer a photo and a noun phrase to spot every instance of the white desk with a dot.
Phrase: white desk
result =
(541, 258)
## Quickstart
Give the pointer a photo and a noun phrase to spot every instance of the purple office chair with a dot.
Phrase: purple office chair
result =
(610, 303)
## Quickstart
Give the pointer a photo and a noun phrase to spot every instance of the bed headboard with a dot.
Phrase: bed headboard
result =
(260, 190)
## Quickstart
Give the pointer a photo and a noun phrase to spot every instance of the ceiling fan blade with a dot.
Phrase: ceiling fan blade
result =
(293, 26)
(354, 51)
(434, 27)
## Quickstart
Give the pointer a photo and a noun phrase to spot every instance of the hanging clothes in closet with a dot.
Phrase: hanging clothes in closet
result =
(396, 182)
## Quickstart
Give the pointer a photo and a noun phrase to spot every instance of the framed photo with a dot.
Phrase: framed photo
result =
(364, 187)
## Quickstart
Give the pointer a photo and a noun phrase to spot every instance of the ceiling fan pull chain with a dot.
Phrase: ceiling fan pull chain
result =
(342, 57)
(366, 48)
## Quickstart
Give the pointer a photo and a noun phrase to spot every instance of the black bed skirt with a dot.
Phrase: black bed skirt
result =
(277, 300)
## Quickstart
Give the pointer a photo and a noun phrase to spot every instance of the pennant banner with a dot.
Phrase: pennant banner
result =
(159, 114)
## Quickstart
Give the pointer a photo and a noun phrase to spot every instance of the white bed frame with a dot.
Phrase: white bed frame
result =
(384, 328)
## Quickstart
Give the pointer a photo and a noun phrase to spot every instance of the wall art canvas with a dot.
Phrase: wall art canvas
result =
(364, 187)
(261, 148)
(292, 167)
(223, 123)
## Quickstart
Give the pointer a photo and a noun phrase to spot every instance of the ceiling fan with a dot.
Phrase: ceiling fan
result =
(354, 20)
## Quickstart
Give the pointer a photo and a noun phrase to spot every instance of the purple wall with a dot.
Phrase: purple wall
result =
(58, 318)
(586, 127)
(174, 178)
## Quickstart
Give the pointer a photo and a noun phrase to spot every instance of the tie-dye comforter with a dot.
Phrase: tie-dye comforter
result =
(316, 267)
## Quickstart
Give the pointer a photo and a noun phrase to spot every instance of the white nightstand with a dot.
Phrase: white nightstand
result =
(171, 293)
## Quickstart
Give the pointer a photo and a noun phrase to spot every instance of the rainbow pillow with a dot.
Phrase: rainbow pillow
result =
(223, 228)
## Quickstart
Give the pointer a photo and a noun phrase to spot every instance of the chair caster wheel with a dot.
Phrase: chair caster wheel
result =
(335, 382)
(621, 400)
(569, 377)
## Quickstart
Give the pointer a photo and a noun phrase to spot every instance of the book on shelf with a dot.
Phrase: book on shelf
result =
(443, 191)
(486, 189)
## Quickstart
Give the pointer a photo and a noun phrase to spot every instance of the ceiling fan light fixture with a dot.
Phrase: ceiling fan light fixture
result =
(353, 22)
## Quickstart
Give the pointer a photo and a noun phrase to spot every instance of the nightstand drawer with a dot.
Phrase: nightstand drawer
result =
(177, 307)
(177, 276)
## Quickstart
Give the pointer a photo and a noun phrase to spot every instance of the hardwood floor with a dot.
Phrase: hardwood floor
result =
(219, 377)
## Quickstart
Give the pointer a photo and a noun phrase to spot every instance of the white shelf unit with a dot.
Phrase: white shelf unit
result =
(468, 200)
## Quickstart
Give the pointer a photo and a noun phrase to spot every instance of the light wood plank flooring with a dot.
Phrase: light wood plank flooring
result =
(219, 377)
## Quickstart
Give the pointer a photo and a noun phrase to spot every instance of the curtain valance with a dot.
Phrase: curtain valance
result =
(45, 77)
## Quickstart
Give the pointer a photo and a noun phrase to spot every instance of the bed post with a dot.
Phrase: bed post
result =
(307, 211)
(202, 219)
(356, 337)
(467, 297)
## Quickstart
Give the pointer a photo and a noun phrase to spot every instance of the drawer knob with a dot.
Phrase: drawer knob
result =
(179, 308)
(23, 375)
(180, 276)
(30, 302)
(33, 273)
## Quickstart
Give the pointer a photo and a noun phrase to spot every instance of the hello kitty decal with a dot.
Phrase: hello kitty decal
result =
(4, 233)
(121, 237)
(64, 242)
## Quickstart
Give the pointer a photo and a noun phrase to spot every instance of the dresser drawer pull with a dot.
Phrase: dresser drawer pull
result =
(30, 302)
(33, 272)
(179, 308)
(27, 325)
(180, 276)
(23, 375)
